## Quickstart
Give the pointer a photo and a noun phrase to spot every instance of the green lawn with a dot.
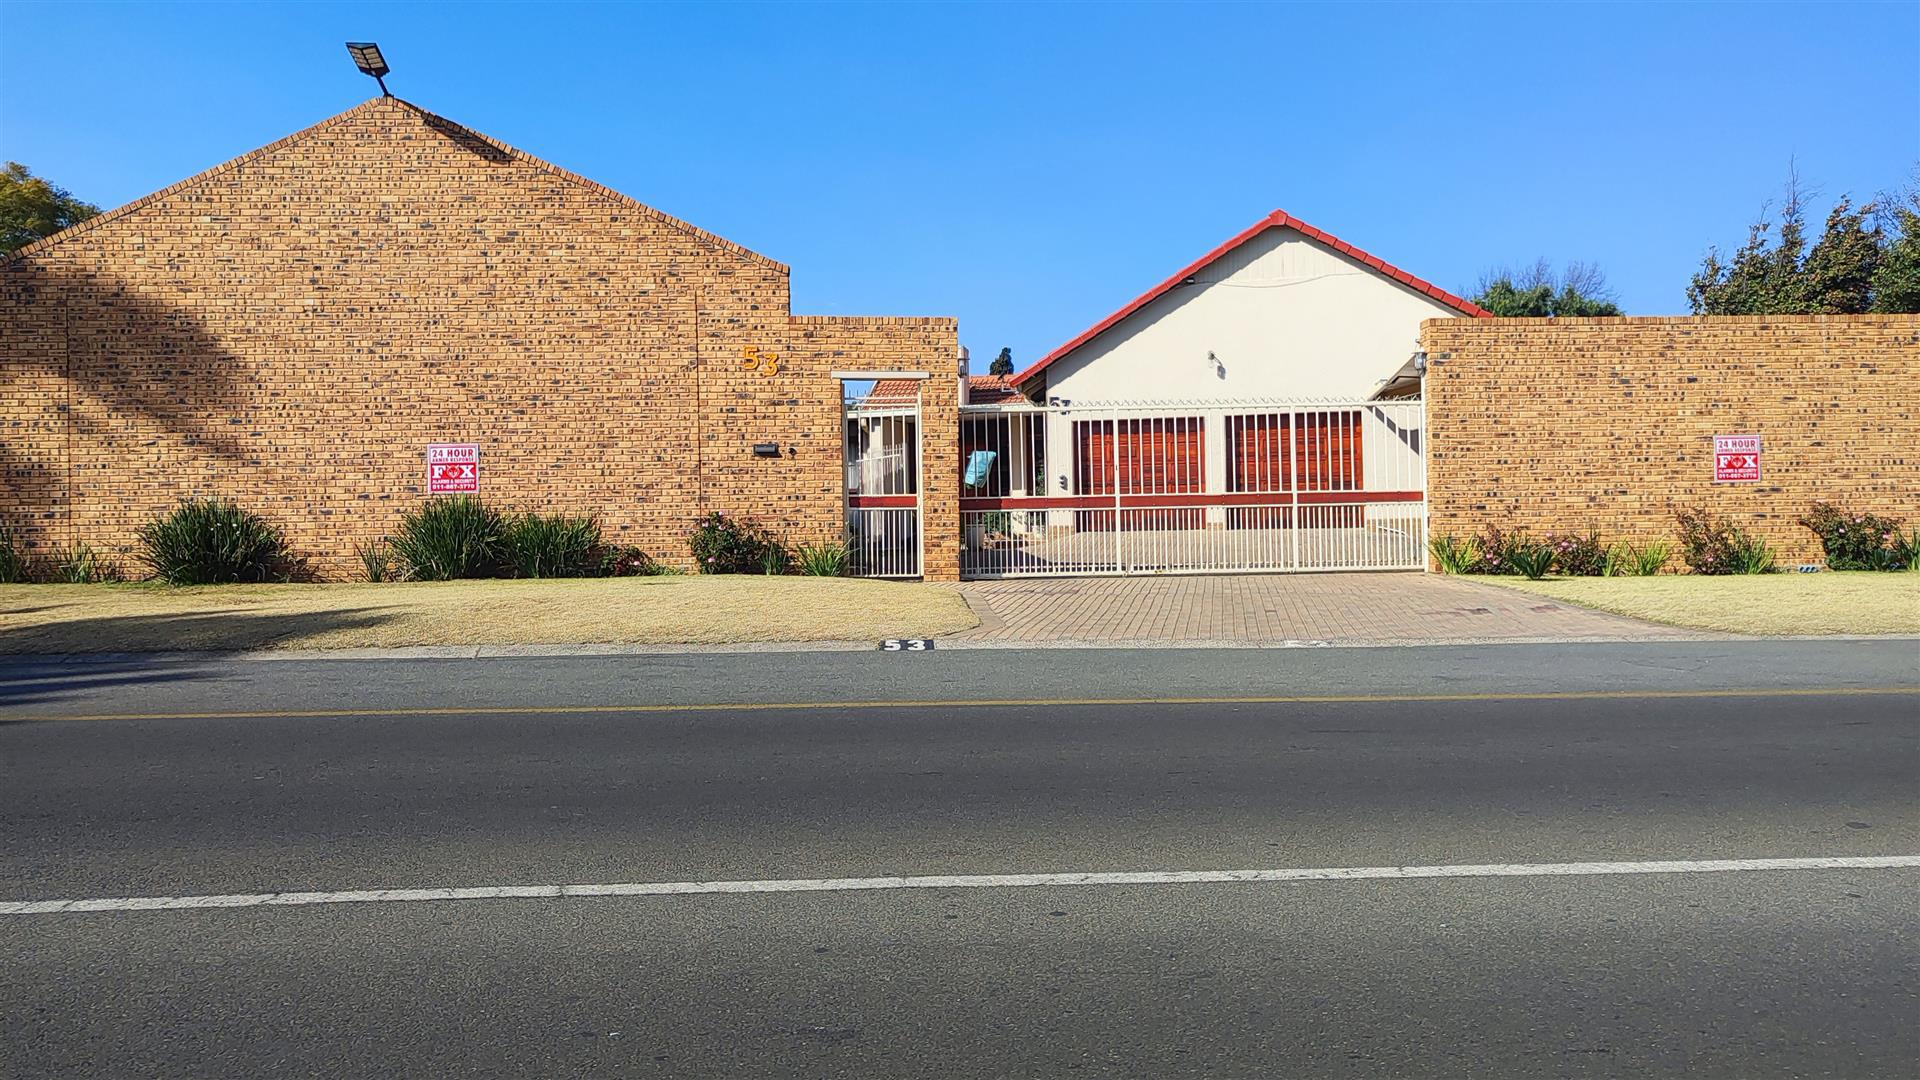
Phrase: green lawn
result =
(1823, 603)
(653, 610)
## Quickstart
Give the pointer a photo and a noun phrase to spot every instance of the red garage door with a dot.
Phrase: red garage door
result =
(1157, 456)
(1325, 446)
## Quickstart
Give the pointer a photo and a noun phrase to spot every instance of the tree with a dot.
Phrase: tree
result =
(1896, 281)
(1866, 259)
(1838, 272)
(31, 208)
(1537, 292)
(1002, 364)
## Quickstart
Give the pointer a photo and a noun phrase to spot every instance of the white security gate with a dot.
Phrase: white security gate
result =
(882, 456)
(1192, 487)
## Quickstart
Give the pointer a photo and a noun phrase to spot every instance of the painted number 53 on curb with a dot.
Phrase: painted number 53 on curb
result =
(906, 645)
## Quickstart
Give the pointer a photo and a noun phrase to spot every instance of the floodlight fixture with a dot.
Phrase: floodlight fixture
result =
(366, 57)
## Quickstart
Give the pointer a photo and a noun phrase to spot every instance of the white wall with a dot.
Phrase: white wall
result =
(1286, 316)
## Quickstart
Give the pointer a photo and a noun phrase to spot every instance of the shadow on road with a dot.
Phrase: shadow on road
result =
(52, 661)
(26, 680)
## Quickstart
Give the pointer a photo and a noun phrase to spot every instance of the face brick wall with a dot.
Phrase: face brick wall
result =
(290, 331)
(1570, 424)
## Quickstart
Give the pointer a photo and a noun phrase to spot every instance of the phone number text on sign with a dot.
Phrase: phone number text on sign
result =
(1736, 459)
(453, 468)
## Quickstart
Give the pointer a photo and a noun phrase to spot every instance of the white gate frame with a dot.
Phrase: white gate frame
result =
(1188, 493)
(874, 531)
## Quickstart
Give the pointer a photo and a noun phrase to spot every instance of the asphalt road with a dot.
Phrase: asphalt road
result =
(336, 775)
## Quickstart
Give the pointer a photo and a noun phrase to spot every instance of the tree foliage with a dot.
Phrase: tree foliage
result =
(1866, 258)
(1896, 281)
(1002, 364)
(31, 208)
(1538, 292)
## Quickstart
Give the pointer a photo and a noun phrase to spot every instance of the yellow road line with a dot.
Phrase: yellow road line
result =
(985, 703)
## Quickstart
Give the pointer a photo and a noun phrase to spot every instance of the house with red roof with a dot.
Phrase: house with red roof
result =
(1281, 310)
(1214, 421)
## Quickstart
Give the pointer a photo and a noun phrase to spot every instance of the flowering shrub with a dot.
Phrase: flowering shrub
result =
(627, 562)
(1579, 556)
(1498, 549)
(1855, 541)
(730, 545)
(1714, 545)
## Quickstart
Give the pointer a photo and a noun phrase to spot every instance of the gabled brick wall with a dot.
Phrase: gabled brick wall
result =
(291, 329)
(1569, 424)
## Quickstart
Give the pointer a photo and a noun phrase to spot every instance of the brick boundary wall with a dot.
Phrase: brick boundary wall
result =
(1570, 424)
(290, 330)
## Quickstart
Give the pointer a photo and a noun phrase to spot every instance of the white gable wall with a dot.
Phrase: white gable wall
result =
(1287, 317)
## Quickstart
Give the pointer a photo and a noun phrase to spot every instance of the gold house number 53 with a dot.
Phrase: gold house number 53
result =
(753, 359)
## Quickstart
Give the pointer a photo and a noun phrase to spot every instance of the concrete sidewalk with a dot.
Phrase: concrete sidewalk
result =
(1347, 609)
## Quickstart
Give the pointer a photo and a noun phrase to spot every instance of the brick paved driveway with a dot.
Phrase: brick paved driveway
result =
(1273, 608)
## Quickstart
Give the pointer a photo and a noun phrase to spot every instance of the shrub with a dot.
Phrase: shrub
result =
(1751, 554)
(213, 542)
(13, 564)
(1628, 559)
(728, 545)
(82, 565)
(1708, 544)
(1854, 541)
(1533, 560)
(1497, 549)
(376, 560)
(450, 537)
(775, 559)
(1905, 552)
(822, 560)
(1579, 556)
(627, 562)
(1455, 555)
(536, 546)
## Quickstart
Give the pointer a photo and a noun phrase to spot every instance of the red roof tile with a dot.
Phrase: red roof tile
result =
(992, 390)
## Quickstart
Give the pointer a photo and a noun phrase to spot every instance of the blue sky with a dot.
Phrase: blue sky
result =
(1030, 168)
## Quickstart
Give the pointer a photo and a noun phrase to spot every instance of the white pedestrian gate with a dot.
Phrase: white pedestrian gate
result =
(882, 457)
(1192, 487)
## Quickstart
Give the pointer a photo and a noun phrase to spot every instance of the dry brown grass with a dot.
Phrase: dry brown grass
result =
(1824, 603)
(661, 610)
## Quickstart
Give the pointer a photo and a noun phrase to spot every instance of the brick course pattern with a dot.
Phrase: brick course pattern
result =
(291, 329)
(1570, 424)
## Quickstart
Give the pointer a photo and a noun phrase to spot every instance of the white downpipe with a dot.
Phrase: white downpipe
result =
(919, 481)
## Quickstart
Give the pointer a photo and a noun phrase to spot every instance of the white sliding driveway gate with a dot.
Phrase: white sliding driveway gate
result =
(1192, 487)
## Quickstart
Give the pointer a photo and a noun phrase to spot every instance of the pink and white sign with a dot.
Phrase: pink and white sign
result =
(453, 468)
(1736, 459)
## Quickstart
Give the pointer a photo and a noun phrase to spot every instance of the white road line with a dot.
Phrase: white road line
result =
(942, 881)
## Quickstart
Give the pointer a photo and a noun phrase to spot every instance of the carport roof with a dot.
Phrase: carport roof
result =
(1279, 219)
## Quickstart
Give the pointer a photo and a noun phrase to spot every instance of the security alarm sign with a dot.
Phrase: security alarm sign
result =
(453, 468)
(1736, 459)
